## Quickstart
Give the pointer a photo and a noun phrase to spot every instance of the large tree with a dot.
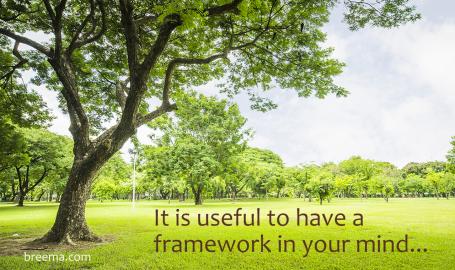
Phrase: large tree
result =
(201, 140)
(108, 59)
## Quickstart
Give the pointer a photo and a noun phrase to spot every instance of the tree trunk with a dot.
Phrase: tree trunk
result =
(234, 195)
(20, 203)
(197, 192)
(70, 224)
(197, 198)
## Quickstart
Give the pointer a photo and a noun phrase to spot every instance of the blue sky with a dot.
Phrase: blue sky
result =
(401, 106)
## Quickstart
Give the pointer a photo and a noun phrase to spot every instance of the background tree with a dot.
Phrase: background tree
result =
(296, 178)
(266, 167)
(451, 156)
(201, 139)
(435, 181)
(239, 174)
(423, 168)
(414, 185)
(159, 169)
(12, 146)
(362, 170)
(321, 185)
(44, 152)
(111, 180)
(106, 69)
(344, 185)
(447, 184)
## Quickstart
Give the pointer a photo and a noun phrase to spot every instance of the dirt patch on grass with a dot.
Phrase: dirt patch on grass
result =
(14, 246)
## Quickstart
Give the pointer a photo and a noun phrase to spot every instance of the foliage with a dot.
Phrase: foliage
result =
(42, 157)
(451, 155)
(113, 181)
(197, 144)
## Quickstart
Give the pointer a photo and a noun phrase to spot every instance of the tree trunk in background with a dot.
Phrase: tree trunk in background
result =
(234, 194)
(197, 192)
(197, 199)
(20, 203)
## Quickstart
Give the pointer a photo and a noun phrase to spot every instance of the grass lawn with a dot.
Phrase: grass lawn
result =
(430, 224)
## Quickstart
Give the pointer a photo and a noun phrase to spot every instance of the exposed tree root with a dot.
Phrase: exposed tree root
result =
(70, 239)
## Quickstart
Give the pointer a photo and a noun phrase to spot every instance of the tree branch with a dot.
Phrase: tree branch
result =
(75, 42)
(79, 121)
(57, 24)
(229, 7)
(140, 74)
(130, 33)
(39, 180)
(170, 23)
(37, 46)
(185, 61)
(81, 27)
(156, 113)
(22, 61)
(50, 10)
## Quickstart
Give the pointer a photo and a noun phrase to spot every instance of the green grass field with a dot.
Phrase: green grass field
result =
(430, 224)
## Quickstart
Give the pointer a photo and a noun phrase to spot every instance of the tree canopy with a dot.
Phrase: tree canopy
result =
(198, 143)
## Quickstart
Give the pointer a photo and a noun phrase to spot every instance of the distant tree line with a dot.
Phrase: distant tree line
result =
(202, 153)
(258, 173)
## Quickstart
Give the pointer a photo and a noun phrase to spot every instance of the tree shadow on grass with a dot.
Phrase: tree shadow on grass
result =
(13, 246)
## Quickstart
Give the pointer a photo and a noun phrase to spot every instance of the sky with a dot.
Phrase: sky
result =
(401, 106)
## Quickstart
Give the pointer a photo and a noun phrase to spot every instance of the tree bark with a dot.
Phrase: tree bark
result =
(20, 203)
(197, 192)
(197, 198)
(70, 223)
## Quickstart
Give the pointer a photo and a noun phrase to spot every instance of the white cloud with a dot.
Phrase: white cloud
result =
(400, 108)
